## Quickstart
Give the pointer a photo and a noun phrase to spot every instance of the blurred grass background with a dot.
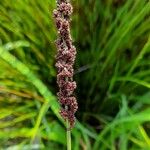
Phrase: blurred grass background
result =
(112, 71)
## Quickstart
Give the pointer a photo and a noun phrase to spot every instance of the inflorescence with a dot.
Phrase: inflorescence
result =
(64, 61)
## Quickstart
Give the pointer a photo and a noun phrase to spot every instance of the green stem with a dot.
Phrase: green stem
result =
(68, 136)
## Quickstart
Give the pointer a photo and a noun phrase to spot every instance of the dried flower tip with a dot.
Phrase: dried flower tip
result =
(56, 14)
(70, 86)
(65, 8)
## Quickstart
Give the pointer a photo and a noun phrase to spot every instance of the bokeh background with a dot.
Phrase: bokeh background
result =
(112, 71)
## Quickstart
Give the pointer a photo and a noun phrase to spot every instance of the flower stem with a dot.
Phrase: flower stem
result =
(68, 136)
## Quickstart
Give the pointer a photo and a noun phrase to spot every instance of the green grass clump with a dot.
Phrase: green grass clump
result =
(112, 72)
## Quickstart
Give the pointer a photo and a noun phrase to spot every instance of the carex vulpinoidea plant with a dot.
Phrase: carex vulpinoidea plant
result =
(64, 63)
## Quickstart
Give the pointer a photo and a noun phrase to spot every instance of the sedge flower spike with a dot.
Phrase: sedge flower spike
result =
(64, 61)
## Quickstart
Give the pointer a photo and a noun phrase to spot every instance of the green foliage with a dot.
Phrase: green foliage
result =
(112, 72)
